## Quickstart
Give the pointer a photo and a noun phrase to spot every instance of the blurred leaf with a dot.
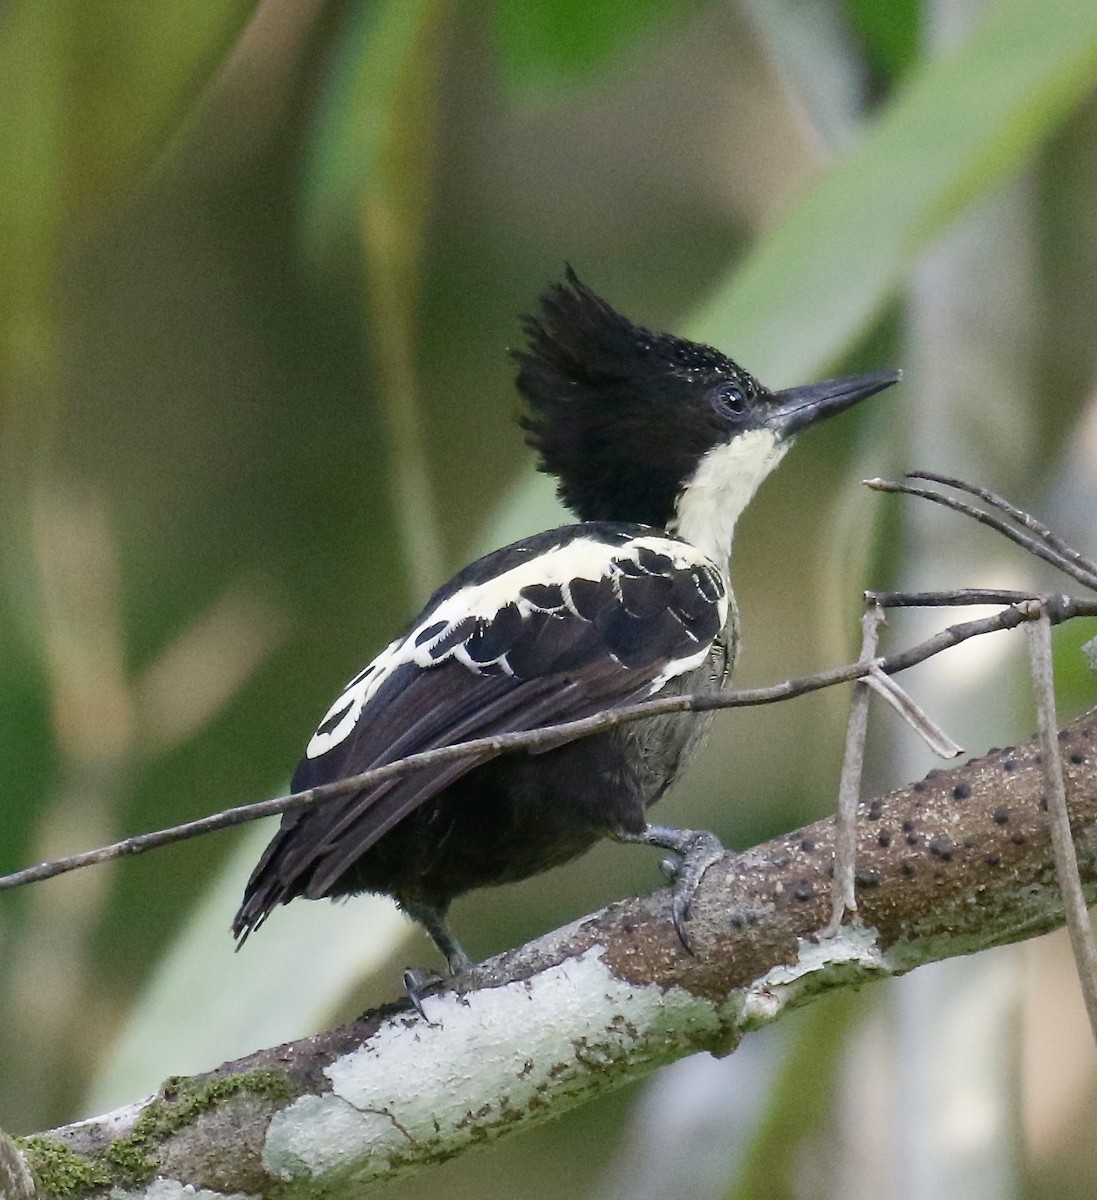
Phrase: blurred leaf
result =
(547, 44)
(888, 32)
(1075, 668)
(114, 76)
(367, 144)
(820, 61)
(527, 507)
(89, 94)
(33, 56)
(34, 65)
(371, 173)
(368, 177)
(829, 266)
(135, 68)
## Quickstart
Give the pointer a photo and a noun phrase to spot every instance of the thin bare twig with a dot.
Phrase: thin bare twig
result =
(950, 599)
(915, 716)
(1029, 541)
(1059, 609)
(1023, 518)
(1062, 841)
(843, 893)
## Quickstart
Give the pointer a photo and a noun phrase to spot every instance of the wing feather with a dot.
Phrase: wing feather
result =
(588, 625)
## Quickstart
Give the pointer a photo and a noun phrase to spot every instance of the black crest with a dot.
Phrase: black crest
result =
(619, 414)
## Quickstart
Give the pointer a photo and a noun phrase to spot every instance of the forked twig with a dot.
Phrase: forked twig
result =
(1039, 540)
(842, 890)
(1025, 519)
(843, 880)
(915, 716)
(1031, 535)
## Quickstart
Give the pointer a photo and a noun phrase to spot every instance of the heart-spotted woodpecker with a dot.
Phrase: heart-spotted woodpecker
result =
(658, 445)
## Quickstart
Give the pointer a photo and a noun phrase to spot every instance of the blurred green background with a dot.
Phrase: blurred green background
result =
(260, 265)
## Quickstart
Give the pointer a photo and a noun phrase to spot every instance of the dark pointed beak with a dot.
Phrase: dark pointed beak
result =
(797, 408)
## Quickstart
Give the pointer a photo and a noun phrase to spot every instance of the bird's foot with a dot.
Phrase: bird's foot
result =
(417, 982)
(697, 850)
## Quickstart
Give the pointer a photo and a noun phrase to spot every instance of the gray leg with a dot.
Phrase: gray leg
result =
(433, 920)
(697, 851)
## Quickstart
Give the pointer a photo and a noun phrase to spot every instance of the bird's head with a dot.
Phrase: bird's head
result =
(652, 428)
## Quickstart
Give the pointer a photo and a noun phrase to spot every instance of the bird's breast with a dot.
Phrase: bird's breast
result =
(660, 748)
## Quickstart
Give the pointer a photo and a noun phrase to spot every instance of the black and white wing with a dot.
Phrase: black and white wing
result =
(560, 626)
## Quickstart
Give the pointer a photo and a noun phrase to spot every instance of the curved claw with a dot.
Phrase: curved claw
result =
(416, 982)
(697, 850)
(679, 908)
(702, 851)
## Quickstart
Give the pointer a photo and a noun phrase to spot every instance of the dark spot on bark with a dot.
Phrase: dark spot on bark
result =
(913, 839)
(1008, 765)
(1077, 758)
(907, 869)
(942, 848)
(1018, 838)
(1001, 816)
(918, 787)
(993, 860)
(883, 838)
(803, 890)
(874, 810)
(908, 826)
(961, 792)
(1064, 735)
(1043, 804)
(867, 879)
(807, 845)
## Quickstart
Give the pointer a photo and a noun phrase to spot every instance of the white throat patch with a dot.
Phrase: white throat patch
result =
(722, 486)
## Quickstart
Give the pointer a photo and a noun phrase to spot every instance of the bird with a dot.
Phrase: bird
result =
(657, 444)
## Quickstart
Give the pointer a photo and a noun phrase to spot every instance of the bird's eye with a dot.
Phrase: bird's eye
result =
(729, 399)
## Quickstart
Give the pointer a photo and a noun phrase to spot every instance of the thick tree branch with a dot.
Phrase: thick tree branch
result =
(954, 864)
(16, 1180)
